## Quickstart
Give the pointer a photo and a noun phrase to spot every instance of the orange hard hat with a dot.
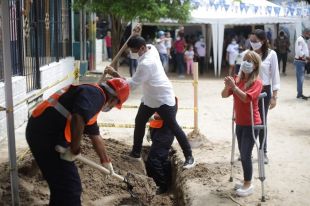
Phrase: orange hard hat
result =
(121, 88)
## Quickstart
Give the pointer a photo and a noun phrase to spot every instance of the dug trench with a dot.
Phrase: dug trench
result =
(99, 189)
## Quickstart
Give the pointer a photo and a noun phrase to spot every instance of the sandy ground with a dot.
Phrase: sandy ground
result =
(287, 174)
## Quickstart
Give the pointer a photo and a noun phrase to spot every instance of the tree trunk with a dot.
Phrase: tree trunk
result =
(116, 32)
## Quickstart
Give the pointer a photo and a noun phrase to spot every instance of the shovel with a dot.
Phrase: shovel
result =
(102, 169)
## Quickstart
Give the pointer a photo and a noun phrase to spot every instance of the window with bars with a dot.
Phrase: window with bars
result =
(40, 34)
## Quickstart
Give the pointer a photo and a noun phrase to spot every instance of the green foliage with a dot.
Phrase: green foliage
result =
(144, 10)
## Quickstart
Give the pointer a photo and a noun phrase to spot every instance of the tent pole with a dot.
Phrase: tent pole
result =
(7, 64)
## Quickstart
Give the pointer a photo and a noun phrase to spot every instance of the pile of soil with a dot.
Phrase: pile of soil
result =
(98, 189)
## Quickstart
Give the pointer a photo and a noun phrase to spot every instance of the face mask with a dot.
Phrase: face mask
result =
(281, 37)
(307, 38)
(234, 42)
(135, 55)
(256, 45)
(201, 39)
(247, 67)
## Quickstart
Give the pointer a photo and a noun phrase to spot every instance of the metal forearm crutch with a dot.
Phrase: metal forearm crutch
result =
(260, 151)
(233, 143)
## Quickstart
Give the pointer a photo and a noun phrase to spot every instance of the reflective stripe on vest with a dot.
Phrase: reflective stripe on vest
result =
(52, 101)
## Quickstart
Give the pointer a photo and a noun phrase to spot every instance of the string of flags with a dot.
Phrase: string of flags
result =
(291, 9)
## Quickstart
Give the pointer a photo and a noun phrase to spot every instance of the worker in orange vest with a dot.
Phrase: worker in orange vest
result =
(62, 119)
(158, 165)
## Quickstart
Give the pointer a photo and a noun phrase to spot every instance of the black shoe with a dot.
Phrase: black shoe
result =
(189, 162)
(302, 97)
(134, 155)
(161, 190)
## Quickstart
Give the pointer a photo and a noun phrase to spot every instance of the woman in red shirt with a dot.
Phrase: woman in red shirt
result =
(245, 89)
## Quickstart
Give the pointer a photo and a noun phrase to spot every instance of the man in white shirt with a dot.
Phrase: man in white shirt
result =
(301, 57)
(158, 96)
(200, 47)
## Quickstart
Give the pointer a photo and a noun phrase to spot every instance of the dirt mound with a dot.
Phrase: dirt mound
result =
(98, 189)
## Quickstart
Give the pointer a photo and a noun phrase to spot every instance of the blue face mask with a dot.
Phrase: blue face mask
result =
(247, 67)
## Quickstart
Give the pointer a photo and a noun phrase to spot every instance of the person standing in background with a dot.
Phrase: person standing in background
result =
(162, 49)
(179, 46)
(189, 58)
(200, 47)
(108, 43)
(282, 47)
(231, 55)
(301, 57)
(269, 73)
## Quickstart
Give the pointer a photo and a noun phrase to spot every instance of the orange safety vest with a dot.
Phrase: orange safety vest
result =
(52, 101)
(156, 123)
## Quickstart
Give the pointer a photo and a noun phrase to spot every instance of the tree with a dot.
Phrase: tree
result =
(123, 11)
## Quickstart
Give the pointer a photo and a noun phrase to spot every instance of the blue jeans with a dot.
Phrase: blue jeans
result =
(164, 59)
(300, 75)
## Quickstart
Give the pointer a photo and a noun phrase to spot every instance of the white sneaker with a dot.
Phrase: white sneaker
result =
(238, 185)
(243, 192)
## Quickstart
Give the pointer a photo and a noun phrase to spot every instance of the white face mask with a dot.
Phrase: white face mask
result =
(234, 42)
(135, 55)
(178, 38)
(247, 67)
(256, 45)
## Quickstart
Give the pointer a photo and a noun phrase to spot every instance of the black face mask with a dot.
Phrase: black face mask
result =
(307, 38)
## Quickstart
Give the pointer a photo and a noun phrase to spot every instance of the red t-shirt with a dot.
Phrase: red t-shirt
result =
(242, 109)
(179, 46)
(108, 41)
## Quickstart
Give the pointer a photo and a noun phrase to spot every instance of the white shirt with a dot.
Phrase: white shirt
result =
(201, 48)
(233, 51)
(156, 88)
(301, 48)
(189, 54)
(269, 71)
(168, 43)
(161, 46)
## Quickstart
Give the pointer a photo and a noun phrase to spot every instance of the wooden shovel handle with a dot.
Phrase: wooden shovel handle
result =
(136, 31)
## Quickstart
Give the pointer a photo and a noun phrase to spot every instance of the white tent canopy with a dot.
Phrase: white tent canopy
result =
(219, 13)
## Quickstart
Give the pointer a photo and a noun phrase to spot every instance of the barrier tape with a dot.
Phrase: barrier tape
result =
(117, 125)
(39, 93)
(136, 107)
(181, 81)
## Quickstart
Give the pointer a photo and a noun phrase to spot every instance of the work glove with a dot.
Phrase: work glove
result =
(108, 165)
(66, 154)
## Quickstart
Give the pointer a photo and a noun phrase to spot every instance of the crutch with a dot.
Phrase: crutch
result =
(260, 151)
(233, 142)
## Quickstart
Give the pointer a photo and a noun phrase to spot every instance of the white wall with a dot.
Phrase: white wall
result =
(99, 51)
(50, 74)
(57, 71)
(20, 111)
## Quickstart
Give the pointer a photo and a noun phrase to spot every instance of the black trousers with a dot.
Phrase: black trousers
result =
(245, 145)
(201, 64)
(168, 114)
(267, 89)
(282, 57)
(158, 164)
(62, 176)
